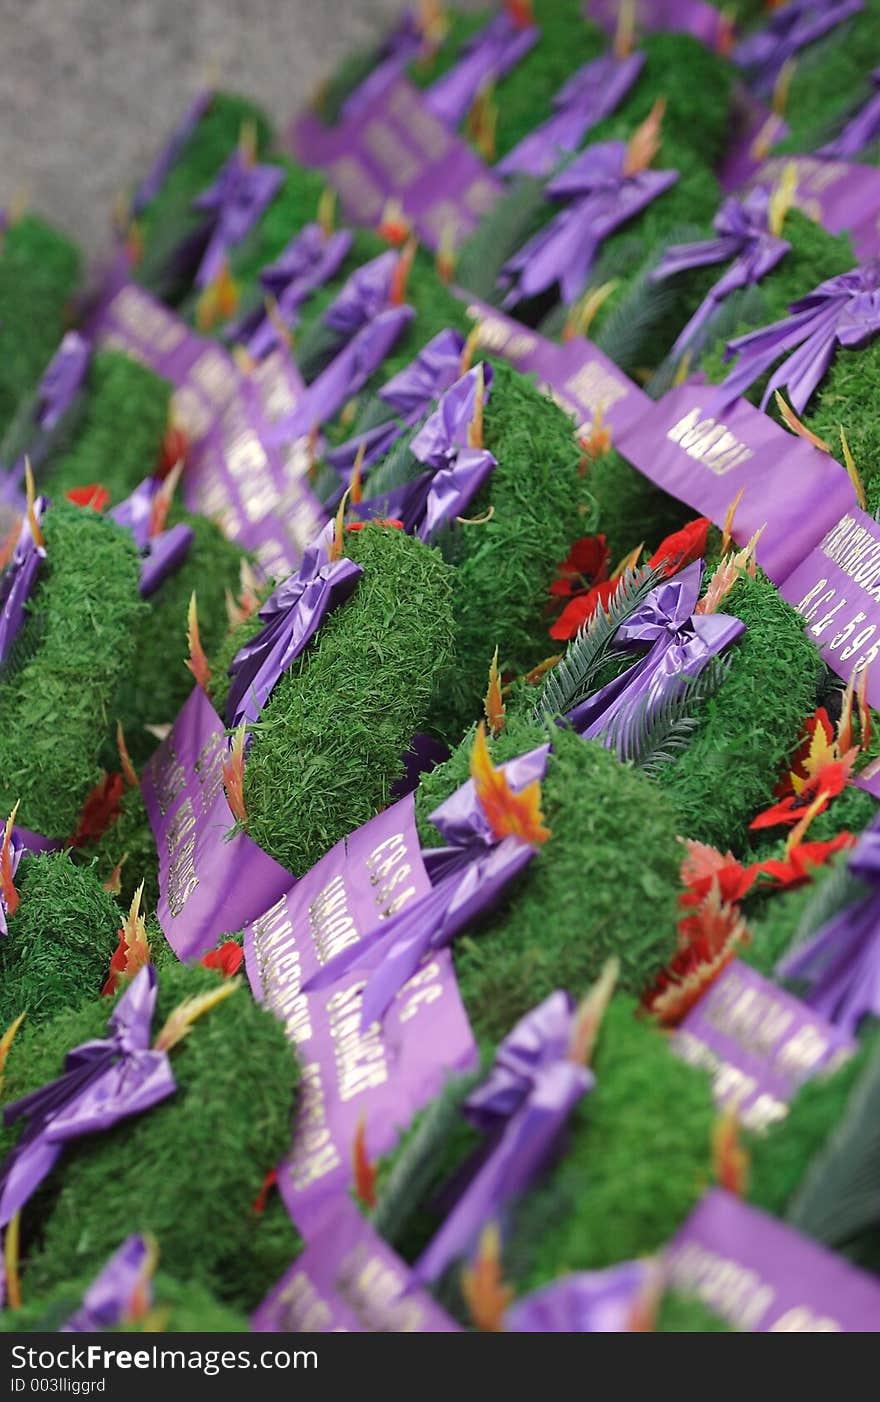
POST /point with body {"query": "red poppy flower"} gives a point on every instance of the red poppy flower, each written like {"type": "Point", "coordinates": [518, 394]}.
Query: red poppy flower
{"type": "Point", "coordinates": [227, 959]}
{"type": "Point", "coordinates": [817, 734]}
{"type": "Point", "coordinates": [801, 861]}
{"type": "Point", "coordinates": [682, 547]}
{"type": "Point", "coordinates": [94, 496]}
{"type": "Point", "coordinates": [100, 809]}
{"type": "Point", "coordinates": [816, 794]}
{"type": "Point", "coordinates": [585, 564]}
{"type": "Point", "coordinates": [581, 609]}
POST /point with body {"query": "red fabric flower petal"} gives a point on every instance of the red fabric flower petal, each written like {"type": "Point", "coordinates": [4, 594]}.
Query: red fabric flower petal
{"type": "Point", "coordinates": [682, 547]}
{"type": "Point", "coordinates": [94, 495]}
{"type": "Point", "coordinates": [581, 609]}
{"type": "Point", "coordinates": [100, 809]}
{"type": "Point", "coordinates": [227, 959]}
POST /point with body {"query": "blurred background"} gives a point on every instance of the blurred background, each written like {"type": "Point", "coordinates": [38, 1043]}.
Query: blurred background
{"type": "Point", "coordinates": [90, 88]}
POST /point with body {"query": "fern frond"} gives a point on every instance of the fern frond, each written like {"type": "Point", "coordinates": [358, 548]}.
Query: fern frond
{"type": "Point", "coordinates": [398, 467]}
{"type": "Point", "coordinates": [742, 309]}
{"type": "Point", "coordinates": [513, 219]}
{"type": "Point", "coordinates": [632, 320]}
{"type": "Point", "coordinates": [655, 734]}
{"type": "Point", "coordinates": [840, 1193]}
{"type": "Point", "coordinates": [572, 679]}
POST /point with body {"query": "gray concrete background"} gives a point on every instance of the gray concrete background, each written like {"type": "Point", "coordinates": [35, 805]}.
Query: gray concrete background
{"type": "Point", "coordinates": [90, 88]}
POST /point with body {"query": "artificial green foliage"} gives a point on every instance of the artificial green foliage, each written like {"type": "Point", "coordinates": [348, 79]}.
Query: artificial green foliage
{"type": "Point", "coordinates": [329, 743]}
{"type": "Point", "coordinates": [629, 508]}
{"type": "Point", "coordinates": [120, 436]}
{"type": "Point", "coordinates": [169, 218]}
{"type": "Point", "coordinates": [159, 682]}
{"type": "Point", "coordinates": [504, 567]}
{"type": "Point", "coordinates": [830, 82]}
{"type": "Point", "coordinates": [39, 268]}
{"type": "Point", "coordinates": [130, 836]}
{"type": "Point", "coordinates": [221, 658]}
{"type": "Point", "coordinates": [186, 1308]}
{"type": "Point", "coordinates": [685, 1314]}
{"type": "Point", "coordinates": [781, 1157]}
{"type": "Point", "coordinates": [56, 704]}
{"type": "Point", "coordinates": [636, 1163]}
{"type": "Point", "coordinates": [605, 883]}
{"type": "Point", "coordinates": [60, 941]}
{"type": "Point", "coordinates": [188, 1170]}
{"type": "Point", "coordinates": [727, 774]}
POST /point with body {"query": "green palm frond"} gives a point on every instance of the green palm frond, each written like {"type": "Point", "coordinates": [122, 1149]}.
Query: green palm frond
{"type": "Point", "coordinates": [512, 220]}
{"type": "Point", "coordinates": [656, 735]}
{"type": "Point", "coordinates": [572, 679]}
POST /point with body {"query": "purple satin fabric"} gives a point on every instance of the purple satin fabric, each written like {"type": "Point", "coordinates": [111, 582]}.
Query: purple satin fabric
{"type": "Point", "coordinates": [603, 198]}
{"type": "Point", "coordinates": [235, 201]}
{"type": "Point", "coordinates": [363, 296]}
{"type": "Point", "coordinates": [842, 312]}
{"type": "Point", "coordinates": [408, 394]}
{"type": "Point", "coordinates": [744, 238]}
{"type": "Point", "coordinates": [589, 1302]}
{"type": "Point", "coordinates": [860, 131]}
{"type": "Point", "coordinates": [153, 182]}
{"type": "Point", "coordinates": [18, 580]}
{"type": "Point", "coordinates": [789, 30]}
{"type": "Point", "coordinates": [468, 878]}
{"type": "Point", "coordinates": [680, 643]}
{"type": "Point", "coordinates": [402, 45]}
{"type": "Point", "coordinates": [109, 1298]}
{"type": "Point", "coordinates": [590, 95]}
{"type": "Point", "coordinates": [310, 260]}
{"type": "Point", "coordinates": [523, 1106]}
{"type": "Point", "coordinates": [291, 617]}
{"type": "Point", "coordinates": [840, 963]}
{"type": "Point", "coordinates": [162, 553]}
{"type": "Point", "coordinates": [103, 1082]}
{"type": "Point", "coordinates": [17, 850]}
{"type": "Point", "coordinates": [486, 57]}
{"type": "Point", "coordinates": [62, 379]}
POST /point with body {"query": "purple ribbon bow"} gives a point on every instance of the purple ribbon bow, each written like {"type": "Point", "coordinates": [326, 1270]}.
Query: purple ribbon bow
{"type": "Point", "coordinates": [603, 197]}
{"type": "Point", "coordinates": [103, 1082]}
{"type": "Point", "coordinates": [680, 644]}
{"type": "Point", "coordinates": [589, 1302]}
{"type": "Point", "coordinates": [860, 130]}
{"type": "Point", "coordinates": [841, 961]}
{"type": "Point", "coordinates": [234, 202]}
{"type": "Point", "coordinates": [363, 295]}
{"type": "Point", "coordinates": [18, 579]}
{"type": "Point", "coordinates": [456, 474]}
{"type": "Point", "coordinates": [485, 58]}
{"type": "Point", "coordinates": [590, 95]}
{"type": "Point", "coordinates": [17, 850]}
{"type": "Point", "coordinates": [523, 1105]}
{"type": "Point", "coordinates": [467, 878]}
{"type": "Point", "coordinates": [109, 1299]}
{"type": "Point", "coordinates": [153, 182]}
{"type": "Point", "coordinates": [789, 30]}
{"type": "Point", "coordinates": [844, 311]}
{"type": "Point", "coordinates": [345, 376]}
{"type": "Point", "coordinates": [407, 394]}
{"type": "Point", "coordinates": [308, 261]}
{"type": "Point", "coordinates": [743, 236]}
{"type": "Point", "coordinates": [401, 45]}
{"type": "Point", "coordinates": [62, 378]}
{"type": "Point", "coordinates": [162, 553]}
{"type": "Point", "coordinates": [291, 617]}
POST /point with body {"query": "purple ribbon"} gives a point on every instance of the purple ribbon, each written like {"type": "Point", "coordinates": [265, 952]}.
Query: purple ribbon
{"type": "Point", "coordinates": [162, 553]}
{"type": "Point", "coordinates": [590, 95]}
{"type": "Point", "coordinates": [153, 182]}
{"type": "Point", "coordinates": [860, 130]}
{"type": "Point", "coordinates": [408, 395]}
{"type": "Point", "coordinates": [680, 643]}
{"type": "Point", "coordinates": [235, 201]}
{"type": "Point", "coordinates": [61, 380]}
{"type": "Point", "coordinates": [589, 1302]}
{"type": "Point", "coordinates": [485, 58]}
{"type": "Point", "coordinates": [603, 197]}
{"type": "Point", "coordinates": [108, 1300]}
{"type": "Point", "coordinates": [467, 879]}
{"type": "Point", "coordinates": [308, 261]}
{"type": "Point", "coordinates": [789, 30]}
{"type": "Point", "coordinates": [403, 44]}
{"type": "Point", "coordinates": [103, 1082]}
{"type": "Point", "coordinates": [523, 1105]}
{"type": "Point", "coordinates": [17, 850]}
{"type": "Point", "coordinates": [291, 617]}
{"type": "Point", "coordinates": [345, 376]}
{"type": "Point", "coordinates": [841, 961]}
{"type": "Point", "coordinates": [745, 238]}
{"type": "Point", "coordinates": [456, 474]}
{"type": "Point", "coordinates": [363, 295]}
{"type": "Point", "coordinates": [844, 311]}
{"type": "Point", "coordinates": [18, 580]}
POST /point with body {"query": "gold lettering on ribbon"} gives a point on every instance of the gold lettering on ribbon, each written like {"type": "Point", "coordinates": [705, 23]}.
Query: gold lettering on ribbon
{"type": "Point", "coordinates": [360, 1054]}
{"type": "Point", "coordinates": [708, 442]}
{"type": "Point", "coordinates": [313, 1154]}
